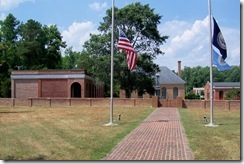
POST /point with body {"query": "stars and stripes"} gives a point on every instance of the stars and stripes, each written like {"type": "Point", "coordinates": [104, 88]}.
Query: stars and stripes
{"type": "Point", "coordinates": [124, 44]}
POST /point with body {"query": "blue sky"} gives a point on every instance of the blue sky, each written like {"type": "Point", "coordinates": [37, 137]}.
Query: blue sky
{"type": "Point", "coordinates": [186, 23]}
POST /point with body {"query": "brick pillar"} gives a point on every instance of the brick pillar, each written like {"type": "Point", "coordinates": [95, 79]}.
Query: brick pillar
{"type": "Point", "coordinates": [122, 93]}
{"type": "Point", "coordinates": [203, 104]}
{"type": "Point", "coordinates": [179, 102]}
{"type": "Point", "coordinates": [227, 105]}
{"type": "Point", "coordinates": [39, 88]}
{"type": "Point", "coordinates": [155, 101]}
{"type": "Point", "coordinates": [12, 89]}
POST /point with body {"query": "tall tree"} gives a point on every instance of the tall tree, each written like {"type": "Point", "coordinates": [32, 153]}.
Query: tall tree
{"type": "Point", "coordinates": [31, 46]}
{"type": "Point", "coordinates": [39, 46]}
{"type": "Point", "coordinates": [53, 45]}
{"type": "Point", "coordinates": [8, 39]}
{"type": "Point", "coordinates": [27, 45]}
{"type": "Point", "coordinates": [139, 22]}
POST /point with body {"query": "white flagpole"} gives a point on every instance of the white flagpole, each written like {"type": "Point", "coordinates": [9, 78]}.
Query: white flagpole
{"type": "Point", "coordinates": [211, 124]}
{"type": "Point", "coordinates": [112, 69]}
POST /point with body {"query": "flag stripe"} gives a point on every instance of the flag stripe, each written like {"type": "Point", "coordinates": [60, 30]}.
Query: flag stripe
{"type": "Point", "coordinates": [124, 44]}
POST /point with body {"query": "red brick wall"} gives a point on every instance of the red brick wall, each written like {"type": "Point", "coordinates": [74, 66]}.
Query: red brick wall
{"type": "Point", "coordinates": [6, 102]}
{"type": "Point", "coordinates": [22, 102]}
{"type": "Point", "coordinates": [168, 103]}
{"type": "Point", "coordinates": [60, 102]}
{"type": "Point", "coordinates": [54, 88]}
{"type": "Point", "coordinates": [40, 101]}
{"type": "Point", "coordinates": [25, 88]}
{"type": "Point", "coordinates": [234, 104]}
{"type": "Point", "coordinates": [80, 102]}
{"type": "Point", "coordinates": [200, 104]}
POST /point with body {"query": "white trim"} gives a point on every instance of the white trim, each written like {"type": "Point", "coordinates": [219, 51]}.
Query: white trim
{"type": "Point", "coordinates": [64, 76]}
{"type": "Point", "coordinates": [225, 87]}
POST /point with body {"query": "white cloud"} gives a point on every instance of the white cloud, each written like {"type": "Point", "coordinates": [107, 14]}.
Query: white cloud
{"type": "Point", "coordinates": [78, 33]}
{"type": "Point", "coordinates": [6, 5]}
{"type": "Point", "coordinates": [98, 6]}
{"type": "Point", "coordinates": [189, 43]}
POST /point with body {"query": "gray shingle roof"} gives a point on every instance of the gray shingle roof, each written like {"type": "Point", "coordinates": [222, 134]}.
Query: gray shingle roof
{"type": "Point", "coordinates": [166, 76]}
{"type": "Point", "coordinates": [226, 84]}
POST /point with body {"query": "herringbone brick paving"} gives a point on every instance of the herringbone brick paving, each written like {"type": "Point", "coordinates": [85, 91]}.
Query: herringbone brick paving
{"type": "Point", "coordinates": [159, 137]}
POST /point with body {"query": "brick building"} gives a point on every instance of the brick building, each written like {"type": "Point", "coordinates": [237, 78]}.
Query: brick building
{"type": "Point", "coordinates": [219, 89]}
{"type": "Point", "coordinates": [168, 85]}
{"type": "Point", "coordinates": [54, 83]}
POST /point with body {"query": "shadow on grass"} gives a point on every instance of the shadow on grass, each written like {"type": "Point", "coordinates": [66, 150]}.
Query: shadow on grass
{"type": "Point", "coordinates": [16, 112]}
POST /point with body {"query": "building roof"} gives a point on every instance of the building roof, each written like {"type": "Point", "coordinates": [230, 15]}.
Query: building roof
{"type": "Point", "coordinates": [49, 74]}
{"type": "Point", "coordinates": [226, 84]}
{"type": "Point", "coordinates": [166, 76]}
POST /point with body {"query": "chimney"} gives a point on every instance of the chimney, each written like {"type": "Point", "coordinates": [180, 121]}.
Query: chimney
{"type": "Point", "coordinates": [179, 68]}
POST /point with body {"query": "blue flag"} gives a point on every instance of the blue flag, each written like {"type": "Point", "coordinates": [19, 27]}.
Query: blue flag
{"type": "Point", "coordinates": [218, 40]}
{"type": "Point", "coordinates": [219, 62]}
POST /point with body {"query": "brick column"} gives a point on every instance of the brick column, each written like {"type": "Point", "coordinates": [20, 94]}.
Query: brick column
{"type": "Point", "coordinates": [39, 88]}
{"type": "Point", "coordinates": [179, 102]}
{"type": "Point", "coordinates": [155, 101]}
{"type": "Point", "coordinates": [12, 89]}
{"type": "Point", "coordinates": [227, 105]}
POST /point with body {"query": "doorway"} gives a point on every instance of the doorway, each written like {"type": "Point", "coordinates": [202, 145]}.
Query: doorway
{"type": "Point", "coordinates": [76, 90]}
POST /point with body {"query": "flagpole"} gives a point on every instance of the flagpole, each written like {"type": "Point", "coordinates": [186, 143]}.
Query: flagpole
{"type": "Point", "coordinates": [112, 69]}
{"type": "Point", "coordinates": [211, 124]}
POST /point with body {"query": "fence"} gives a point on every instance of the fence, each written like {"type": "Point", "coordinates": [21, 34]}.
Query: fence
{"type": "Point", "coordinates": [150, 102]}
{"type": "Point", "coordinates": [73, 102]}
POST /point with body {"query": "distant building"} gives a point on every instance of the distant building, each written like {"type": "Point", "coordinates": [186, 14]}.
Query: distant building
{"type": "Point", "coordinates": [219, 89]}
{"type": "Point", "coordinates": [168, 85]}
{"type": "Point", "coordinates": [53, 83]}
{"type": "Point", "coordinates": [198, 91]}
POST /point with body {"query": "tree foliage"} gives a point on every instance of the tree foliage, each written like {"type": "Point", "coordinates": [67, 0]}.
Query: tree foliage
{"type": "Point", "coordinates": [139, 22]}
{"type": "Point", "coordinates": [27, 45]}
{"type": "Point", "coordinates": [199, 76]}
{"type": "Point", "coordinates": [233, 94]}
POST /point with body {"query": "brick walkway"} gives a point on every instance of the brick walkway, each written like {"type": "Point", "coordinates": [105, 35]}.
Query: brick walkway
{"type": "Point", "coordinates": [159, 137]}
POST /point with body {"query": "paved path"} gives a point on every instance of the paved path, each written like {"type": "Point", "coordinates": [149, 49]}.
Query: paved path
{"type": "Point", "coordinates": [159, 137]}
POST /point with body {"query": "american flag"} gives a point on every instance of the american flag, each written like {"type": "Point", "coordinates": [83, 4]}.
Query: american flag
{"type": "Point", "coordinates": [124, 44]}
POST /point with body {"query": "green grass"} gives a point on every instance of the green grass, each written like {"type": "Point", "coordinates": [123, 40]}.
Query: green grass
{"type": "Point", "coordinates": [212, 143]}
{"type": "Point", "coordinates": [64, 133]}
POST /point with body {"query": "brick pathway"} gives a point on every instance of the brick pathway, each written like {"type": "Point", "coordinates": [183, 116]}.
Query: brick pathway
{"type": "Point", "coordinates": [159, 137]}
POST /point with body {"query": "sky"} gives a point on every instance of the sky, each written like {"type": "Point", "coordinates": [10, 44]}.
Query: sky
{"type": "Point", "coordinates": [184, 21]}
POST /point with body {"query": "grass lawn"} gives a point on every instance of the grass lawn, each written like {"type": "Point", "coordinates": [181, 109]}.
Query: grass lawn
{"type": "Point", "coordinates": [213, 143]}
{"type": "Point", "coordinates": [64, 133]}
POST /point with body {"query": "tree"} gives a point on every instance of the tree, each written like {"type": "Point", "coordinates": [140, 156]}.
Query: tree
{"type": "Point", "coordinates": [233, 94]}
{"type": "Point", "coordinates": [29, 45]}
{"type": "Point", "coordinates": [39, 46]}
{"type": "Point", "coordinates": [8, 39]}
{"type": "Point", "coordinates": [53, 43]}
{"type": "Point", "coordinates": [199, 76]}
{"type": "Point", "coordinates": [139, 22]}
